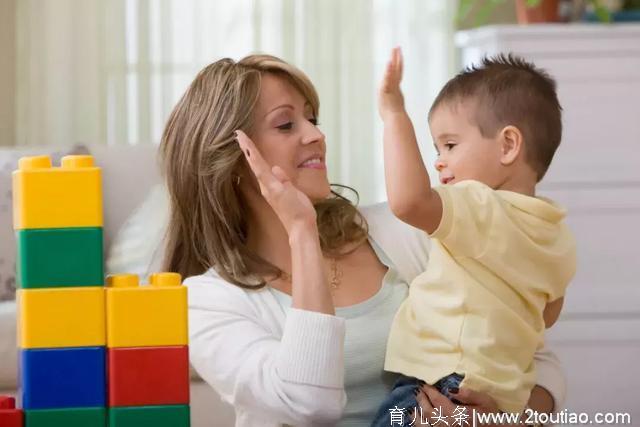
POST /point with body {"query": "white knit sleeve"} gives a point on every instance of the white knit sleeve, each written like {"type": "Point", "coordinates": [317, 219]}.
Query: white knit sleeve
{"type": "Point", "coordinates": [551, 376]}
{"type": "Point", "coordinates": [297, 378]}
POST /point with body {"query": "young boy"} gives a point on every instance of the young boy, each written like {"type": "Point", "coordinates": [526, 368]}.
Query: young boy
{"type": "Point", "coordinates": [501, 257]}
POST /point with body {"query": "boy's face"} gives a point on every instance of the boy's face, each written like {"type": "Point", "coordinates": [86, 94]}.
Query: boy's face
{"type": "Point", "coordinates": [463, 153]}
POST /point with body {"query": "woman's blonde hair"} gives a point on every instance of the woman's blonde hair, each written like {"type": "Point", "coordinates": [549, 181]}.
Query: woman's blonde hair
{"type": "Point", "coordinates": [202, 161]}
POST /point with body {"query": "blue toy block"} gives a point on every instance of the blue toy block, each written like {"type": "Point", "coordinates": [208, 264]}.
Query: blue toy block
{"type": "Point", "coordinates": [63, 377]}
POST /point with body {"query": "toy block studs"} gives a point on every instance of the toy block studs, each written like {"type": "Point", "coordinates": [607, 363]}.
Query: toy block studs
{"type": "Point", "coordinates": [165, 280]}
{"type": "Point", "coordinates": [57, 197]}
{"type": "Point", "coordinates": [61, 317]}
{"type": "Point", "coordinates": [146, 316]}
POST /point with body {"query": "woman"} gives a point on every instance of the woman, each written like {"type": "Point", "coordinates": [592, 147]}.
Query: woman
{"type": "Point", "coordinates": [293, 289]}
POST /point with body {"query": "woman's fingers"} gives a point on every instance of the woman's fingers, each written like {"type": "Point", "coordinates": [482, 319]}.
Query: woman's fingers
{"type": "Point", "coordinates": [438, 399]}
{"type": "Point", "coordinates": [251, 153]}
{"type": "Point", "coordinates": [468, 397]}
{"type": "Point", "coordinates": [280, 174]}
{"type": "Point", "coordinates": [258, 165]}
{"type": "Point", "coordinates": [425, 406]}
{"type": "Point", "coordinates": [476, 399]}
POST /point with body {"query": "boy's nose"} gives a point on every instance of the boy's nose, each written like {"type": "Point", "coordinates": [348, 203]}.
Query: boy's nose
{"type": "Point", "coordinates": [439, 165]}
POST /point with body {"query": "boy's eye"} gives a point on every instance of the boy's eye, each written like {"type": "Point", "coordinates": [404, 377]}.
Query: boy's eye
{"type": "Point", "coordinates": [285, 126]}
{"type": "Point", "coordinates": [449, 146]}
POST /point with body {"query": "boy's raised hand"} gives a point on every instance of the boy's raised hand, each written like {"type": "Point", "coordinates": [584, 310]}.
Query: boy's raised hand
{"type": "Point", "coordinates": [390, 99]}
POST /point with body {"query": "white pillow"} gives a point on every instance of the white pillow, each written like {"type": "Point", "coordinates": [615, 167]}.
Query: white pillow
{"type": "Point", "coordinates": [137, 247]}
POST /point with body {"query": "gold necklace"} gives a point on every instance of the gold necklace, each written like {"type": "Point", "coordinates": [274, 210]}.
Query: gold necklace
{"type": "Point", "coordinates": [336, 275]}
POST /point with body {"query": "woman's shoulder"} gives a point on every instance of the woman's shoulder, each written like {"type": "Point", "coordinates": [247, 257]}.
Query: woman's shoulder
{"type": "Point", "coordinates": [209, 290]}
{"type": "Point", "coordinates": [389, 230]}
{"type": "Point", "coordinates": [406, 246]}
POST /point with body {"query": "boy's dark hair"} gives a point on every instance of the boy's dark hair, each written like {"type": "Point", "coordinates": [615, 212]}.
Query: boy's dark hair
{"type": "Point", "coordinates": [507, 90]}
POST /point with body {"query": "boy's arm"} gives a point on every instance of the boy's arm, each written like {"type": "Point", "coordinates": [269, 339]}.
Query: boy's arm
{"type": "Point", "coordinates": [552, 312]}
{"type": "Point", "coordinates": [409, 191]}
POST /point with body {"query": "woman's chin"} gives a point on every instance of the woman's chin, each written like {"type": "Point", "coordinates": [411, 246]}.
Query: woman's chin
{"type": "Point", "coordinates": [316, 192]}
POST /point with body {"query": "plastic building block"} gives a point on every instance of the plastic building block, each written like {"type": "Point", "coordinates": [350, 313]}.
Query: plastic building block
{"type": "Point", "coordinates": [59, 257]}
{"type": "Point", "coordinates": [57, 197]}
{"type": "Point", "coordinates": [149, 416]}
{"type": "Point", "coordinates": [61, 317]}
{"type": "Point", "coordinates": [146, 316]}
{"type": "Point", "coordinates": [148, 376]}
{"type": "Point", "coordinates": [70, 417]}
{"type": "Point", "coordinates": [9, 415]}
{"type": "Point", "coordinates": [59, 378]}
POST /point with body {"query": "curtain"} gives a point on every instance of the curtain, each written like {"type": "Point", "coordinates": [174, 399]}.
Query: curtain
{"type": "Point", "coordinates": [110, 71]}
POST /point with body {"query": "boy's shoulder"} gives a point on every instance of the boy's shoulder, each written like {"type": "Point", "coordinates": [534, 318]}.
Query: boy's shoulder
{"type": "Point", "coordinates": [477, 195]}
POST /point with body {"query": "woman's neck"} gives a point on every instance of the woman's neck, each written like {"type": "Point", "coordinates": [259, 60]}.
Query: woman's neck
{"type": "Point", "coordinates": [268, 237]}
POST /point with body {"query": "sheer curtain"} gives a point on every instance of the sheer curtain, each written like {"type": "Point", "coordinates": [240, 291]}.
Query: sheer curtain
{"type": "Point", "coordinates": [109, 71]}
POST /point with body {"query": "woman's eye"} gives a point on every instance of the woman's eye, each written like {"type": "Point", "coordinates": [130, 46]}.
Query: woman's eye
{"type": "Point", "coordinates": [285, 126]}
{"type": "Point", "coordinates": [314, 121]}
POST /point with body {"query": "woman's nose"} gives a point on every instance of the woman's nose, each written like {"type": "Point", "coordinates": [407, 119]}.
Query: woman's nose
{"type": "Point", "coordinates": [312, 134]}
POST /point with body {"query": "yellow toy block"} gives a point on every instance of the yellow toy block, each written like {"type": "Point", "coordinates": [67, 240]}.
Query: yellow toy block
{"type": "Point", "coordinates": [61, 317]}
{"type": "Point", "coordinates": [57, 197]}
{"type": "Point", "coordinates": [143, 316]}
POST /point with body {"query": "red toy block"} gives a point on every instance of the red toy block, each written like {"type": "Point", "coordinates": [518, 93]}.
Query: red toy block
{"type": "Point", "coordinates": [143, 376]}
{"type": "Point", "coordinates": [9, 415]}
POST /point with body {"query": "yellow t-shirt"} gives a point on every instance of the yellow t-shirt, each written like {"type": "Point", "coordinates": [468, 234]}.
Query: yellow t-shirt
{"type": "Point", "coordinates": [497, 259]}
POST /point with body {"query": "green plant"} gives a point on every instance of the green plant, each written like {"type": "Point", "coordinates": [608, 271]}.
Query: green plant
{"type": "Point", "coordinates": [487, 6]}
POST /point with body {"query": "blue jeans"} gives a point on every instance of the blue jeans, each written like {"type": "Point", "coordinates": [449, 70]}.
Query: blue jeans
{"type": "Point", "coordinates": [402, 399]}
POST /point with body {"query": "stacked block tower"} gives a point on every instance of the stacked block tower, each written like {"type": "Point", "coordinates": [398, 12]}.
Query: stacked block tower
{"type": "Point", "coordinates": [61, 300]}
{"type": "Point", "coordinates": [67, 317]}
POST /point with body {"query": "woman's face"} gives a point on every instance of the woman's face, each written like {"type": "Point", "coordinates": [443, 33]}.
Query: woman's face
{"type": "Point", "coordinates": [286, 134]}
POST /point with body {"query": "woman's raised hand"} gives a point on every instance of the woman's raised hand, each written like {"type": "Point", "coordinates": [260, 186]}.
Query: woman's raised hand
{"type": "Point", "coordinates": [291, 205]}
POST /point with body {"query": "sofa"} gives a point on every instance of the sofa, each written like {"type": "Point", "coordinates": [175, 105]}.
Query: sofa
{"type": "Point", "coordinates": [130, 179]}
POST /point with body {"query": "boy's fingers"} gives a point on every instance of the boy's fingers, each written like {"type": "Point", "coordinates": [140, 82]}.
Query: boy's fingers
{"type": "Point", "coordinates": [388, 78]}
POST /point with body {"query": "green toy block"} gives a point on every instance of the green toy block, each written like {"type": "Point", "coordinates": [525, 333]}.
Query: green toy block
{"type": "Point", "coordinates": [59, 257]}
{"type": "Point", "coordinates": [149, 416]}
{"type": "Point", "coordinates": [68, 417]}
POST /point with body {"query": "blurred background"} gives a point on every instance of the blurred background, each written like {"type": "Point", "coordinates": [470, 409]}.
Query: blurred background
{"type": "Point", "coordinates": [101, 76]}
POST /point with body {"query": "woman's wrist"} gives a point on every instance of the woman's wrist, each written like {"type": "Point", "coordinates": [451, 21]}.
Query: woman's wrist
{"type": "Point", "coordinates": [303, 232]}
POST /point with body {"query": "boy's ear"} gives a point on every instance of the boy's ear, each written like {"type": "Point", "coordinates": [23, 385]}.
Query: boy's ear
{"type": "Point", "coordinates": [512, 144]}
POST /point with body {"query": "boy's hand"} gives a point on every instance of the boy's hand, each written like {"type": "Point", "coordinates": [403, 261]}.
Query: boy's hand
{"type": "Point", "coordinates": [390, 99]}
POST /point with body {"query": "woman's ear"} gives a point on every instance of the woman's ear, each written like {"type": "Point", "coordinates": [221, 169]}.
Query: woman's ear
{"type": "Point", "coordinates": [512, 144]}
